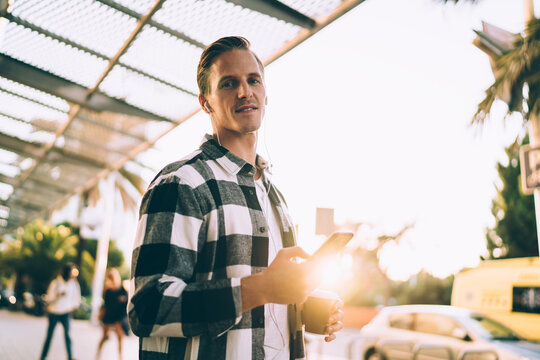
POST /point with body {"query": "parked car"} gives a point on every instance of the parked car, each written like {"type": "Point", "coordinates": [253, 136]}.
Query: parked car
{"type": "Point", "coordinates": [442, 332]}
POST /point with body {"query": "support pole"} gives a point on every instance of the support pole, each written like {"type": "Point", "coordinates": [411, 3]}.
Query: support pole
{"type": "Point", "coordinates": [103, 246]}
{"type": "Point", "coordinates": [534, 125]}
{"type": "Point", "coordinates": [534, 138]}
{"type": "Point", "coordinates": [528, 10]}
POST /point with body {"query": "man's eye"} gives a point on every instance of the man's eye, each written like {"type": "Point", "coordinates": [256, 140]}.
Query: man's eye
{"type": "Point", "coordinates": [254, 81]}
{"type": "Point", "coordinates": [227, 84]}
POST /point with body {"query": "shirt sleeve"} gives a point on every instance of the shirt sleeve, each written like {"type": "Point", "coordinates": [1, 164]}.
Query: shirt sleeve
{"type": "Point", "coordinates": [165, 299]}
{"type": "Point", "coordinates": [76, 288]}
{"type": "Point", "coordinates": [50, 297]}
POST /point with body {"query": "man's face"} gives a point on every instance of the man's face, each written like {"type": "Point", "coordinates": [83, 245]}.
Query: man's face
{"type": "Point", "coordinates": [237, 95]}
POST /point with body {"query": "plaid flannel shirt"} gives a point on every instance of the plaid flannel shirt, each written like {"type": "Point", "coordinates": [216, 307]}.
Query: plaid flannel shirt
{"type": "Point", "coordinates": [201, 229]}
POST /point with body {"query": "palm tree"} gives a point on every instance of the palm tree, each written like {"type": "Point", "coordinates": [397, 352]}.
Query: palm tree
{"type": "Point", "coordinates": [36, 255]}
{"type": "Point", "coordinates": [517, 74]}
{"type": "Point", "coordinates": [123, 179]}
{"type": "Point", "coordinates": [515, 60]}
{"type": "Point", "coordinates": [116, 182]}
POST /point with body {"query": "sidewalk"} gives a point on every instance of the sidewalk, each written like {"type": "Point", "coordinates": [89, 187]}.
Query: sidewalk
{"type": "Point", "coordinates": [22, 336]}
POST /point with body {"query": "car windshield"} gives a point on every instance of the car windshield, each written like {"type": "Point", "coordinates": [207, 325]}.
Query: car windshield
{"type": "Point", "coordinates": [489, 329]}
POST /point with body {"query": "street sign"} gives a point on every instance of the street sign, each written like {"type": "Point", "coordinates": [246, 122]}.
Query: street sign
{"type": "Point", "coordinates": [530, 168]}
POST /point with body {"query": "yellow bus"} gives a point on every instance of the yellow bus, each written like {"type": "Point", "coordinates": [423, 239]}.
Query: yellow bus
{"type": "Point", "coordinates": [507, 289]}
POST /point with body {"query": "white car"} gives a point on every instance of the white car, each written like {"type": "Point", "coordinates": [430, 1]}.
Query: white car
{"type": "Point", "coordinates": [441, 332]}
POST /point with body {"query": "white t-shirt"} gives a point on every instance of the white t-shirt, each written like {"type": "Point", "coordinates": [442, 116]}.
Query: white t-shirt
{"type": "Point", "coordinates": [63, 296]}
{"type": "Point", "coordinates": [276, 327]}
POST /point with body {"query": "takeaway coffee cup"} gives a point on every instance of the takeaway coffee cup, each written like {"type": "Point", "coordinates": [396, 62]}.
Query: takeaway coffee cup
{"type": "Point", "coordinates": [317, 310]}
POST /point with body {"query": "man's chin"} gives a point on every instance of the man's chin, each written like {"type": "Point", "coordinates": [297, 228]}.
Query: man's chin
{"type": "Point", "coordinates": [250, 127]}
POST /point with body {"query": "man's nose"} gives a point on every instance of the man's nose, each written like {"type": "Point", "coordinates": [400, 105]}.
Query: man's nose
{"type": "Point", "coordinates": [244, 90]}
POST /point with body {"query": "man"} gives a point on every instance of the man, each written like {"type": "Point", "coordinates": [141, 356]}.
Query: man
{"type": "Point", "coordinates": [209, 226]}
{"type": "Point", "coordinates": [63, 297]}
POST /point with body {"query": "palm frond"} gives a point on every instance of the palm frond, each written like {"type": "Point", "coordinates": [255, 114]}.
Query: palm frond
{"type": "Point", "coordinates": [128, 202]}
{"type": "Point", "coordinates": [484, 107]}
{"type": "Point", "coordinates": [92, 196]}
{"type": "Point", "coordinates": [134, 179]}
{"type": "Point", "coordinates": [514, 69]}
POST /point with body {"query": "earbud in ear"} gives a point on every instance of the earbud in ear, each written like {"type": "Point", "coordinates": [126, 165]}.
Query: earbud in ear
{"type": "Point", "coordinates": [207, 107]}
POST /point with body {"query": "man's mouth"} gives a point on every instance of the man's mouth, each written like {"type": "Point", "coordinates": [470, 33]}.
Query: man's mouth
{"type": "Point", "coordinates": [246, 108]}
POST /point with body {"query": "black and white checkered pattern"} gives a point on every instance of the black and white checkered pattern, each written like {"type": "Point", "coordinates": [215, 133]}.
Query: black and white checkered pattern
{"type": "Point", "coordinates": [201, 229]}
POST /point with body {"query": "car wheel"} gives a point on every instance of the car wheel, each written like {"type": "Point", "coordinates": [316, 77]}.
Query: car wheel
{"type": "Point", "coordinates": [372, 354]}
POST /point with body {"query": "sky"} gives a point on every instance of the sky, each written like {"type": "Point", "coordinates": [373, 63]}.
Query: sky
{"type": "Point", "coordinates": [371, 116]}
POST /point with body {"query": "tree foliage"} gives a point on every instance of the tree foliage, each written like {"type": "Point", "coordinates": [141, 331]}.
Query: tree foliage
{"type": "Point", "coordinates": [39, 251]}
{"type": "Point", "coordinates": [517, 77]}
{"type": "Point", "coordinates": [423, 288]}
{"type": "Point", "coordinates": [372, 287]}
{"type": "Point", "coordinates": [514, 234]}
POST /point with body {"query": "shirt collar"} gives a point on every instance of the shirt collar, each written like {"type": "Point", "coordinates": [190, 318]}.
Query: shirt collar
{"type": "Point", "coordinates": [229, 161]}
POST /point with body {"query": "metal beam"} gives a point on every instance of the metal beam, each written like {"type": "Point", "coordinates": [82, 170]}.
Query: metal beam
{"type": "Point", "coordinates": [153, 23]}
{"type": "Point", "coordinates": [71, 136]}
{"type": "Point", "coordinates": [18, 215]}
{"type": "Point", "coordinates": [24, 204]}
{"type": "Point", "coordinates": [77, 160]}
{"type": "Point", "coordinates": [277, 10]}
{"type": "Point", "coordinates": [75, 45]}
{"type": "Point", "coordinates": [34, 77]}
{"type": "Point", "coordinates": [19, 146]}
{"type": "Point", "coordinates": [341, 9]}
{"type": "Point", "coordinates": [87, 119]}
{"type": "Point", "coordinates": [2, 89]}
{"type": "Point", "coordinates": [8, 180]}
{"type": "Point", "coordinates": [28, 149]}
{"type": "Point", "coordinates": [53, 191]}
{"type": "Point", "coordinates": [42, 200]}
{"type": "Point", "coordinates": [79, 116]}
{"type": "Point", "coordinates": [51, 184]}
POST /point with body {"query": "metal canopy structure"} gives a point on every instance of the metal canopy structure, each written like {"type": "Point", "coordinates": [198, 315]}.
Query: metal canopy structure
{"type": "Point", "coordinates": [86, 85]}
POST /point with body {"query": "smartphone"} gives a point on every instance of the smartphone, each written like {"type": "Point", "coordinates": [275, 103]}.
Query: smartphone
{"type": "Point", "coordinates": [333, 245]}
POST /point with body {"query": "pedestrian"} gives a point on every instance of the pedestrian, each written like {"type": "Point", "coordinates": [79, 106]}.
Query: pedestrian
{"type": "Point", "coordinates": [113, 312]}
{"type": "Point", "coordinates": [63, 297]}
{"type": "Point", "coordinates": [215, 271]}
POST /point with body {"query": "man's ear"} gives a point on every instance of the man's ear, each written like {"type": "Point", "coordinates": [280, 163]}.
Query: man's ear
{"type": "Point", "coordinates": [266, 100]}
{"type": "Point", "coordinates": [204, 104]}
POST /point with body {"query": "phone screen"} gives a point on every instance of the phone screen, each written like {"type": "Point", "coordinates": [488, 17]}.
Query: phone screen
{"type": "Point", "coordinates": [333, 245]}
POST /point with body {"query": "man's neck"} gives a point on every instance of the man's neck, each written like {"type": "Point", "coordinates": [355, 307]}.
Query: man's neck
{"type": "Point", "coordinates": [244, 145]}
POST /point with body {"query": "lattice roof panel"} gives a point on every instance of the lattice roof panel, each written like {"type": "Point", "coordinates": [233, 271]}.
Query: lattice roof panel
{"type": "Point", "coordinates": [87, 86]}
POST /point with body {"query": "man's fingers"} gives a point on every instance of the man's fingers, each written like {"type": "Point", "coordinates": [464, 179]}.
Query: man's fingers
{"type": "Point", "coordinates": [332, 329]}
{"type": "Point", "coordinates": [330, 338]}
{"type": "Point", "coordinates": [337, 316]}
{"type": "Point", "coordinates": [338, 306]}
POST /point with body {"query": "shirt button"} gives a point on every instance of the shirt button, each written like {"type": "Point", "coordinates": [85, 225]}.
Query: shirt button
{"type": "Point", "coordinates": [262, 229]}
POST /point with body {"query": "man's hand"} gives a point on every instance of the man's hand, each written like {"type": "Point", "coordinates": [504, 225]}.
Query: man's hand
{"type": "Point", "coordinates": [285, 281]}
{"type": "Point", "coordinates": [289, 279]}
{"type": "Point", "coordinates": [334, 322]}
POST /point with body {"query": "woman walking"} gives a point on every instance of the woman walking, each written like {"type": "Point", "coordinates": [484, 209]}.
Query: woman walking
{"type": "Point", "coordinates": [113, 312]}
{"type": "Point", "coordinates": [63, 296]}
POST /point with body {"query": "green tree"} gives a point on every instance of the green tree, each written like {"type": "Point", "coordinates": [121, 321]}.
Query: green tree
{"type": "Point", "coordinates": [39, 250]}
{"type": "Point", "coordinates": [37, 254]}
{"type": "Point", "coordinates": [514, 233]}
{"type": "Point", "coordinates": [87, 258]}
{"type": "Point", "coordinates": [423, 288]}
